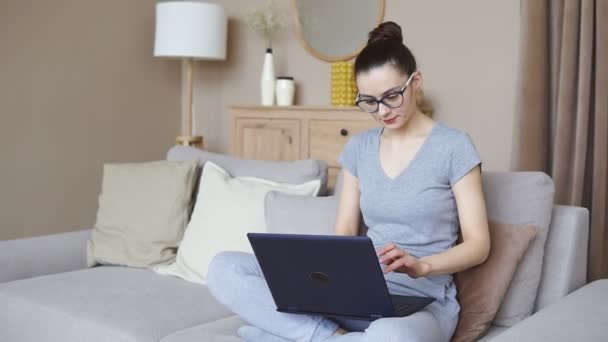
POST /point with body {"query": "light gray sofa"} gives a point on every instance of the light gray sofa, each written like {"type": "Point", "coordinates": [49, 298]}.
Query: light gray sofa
{"type": "Point", "coordinates": [48, 294]}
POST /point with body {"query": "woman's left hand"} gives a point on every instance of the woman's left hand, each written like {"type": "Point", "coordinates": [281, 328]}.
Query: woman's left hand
{"type": "Point", "coordinates": [398, 260]}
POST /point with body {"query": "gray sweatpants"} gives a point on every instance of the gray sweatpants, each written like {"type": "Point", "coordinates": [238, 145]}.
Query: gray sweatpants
{"type": "Point", "coordinates": [235, 279]}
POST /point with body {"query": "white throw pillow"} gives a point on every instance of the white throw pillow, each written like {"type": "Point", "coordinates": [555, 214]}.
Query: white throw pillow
{"type": "Point", "coordinates": [226, 210]}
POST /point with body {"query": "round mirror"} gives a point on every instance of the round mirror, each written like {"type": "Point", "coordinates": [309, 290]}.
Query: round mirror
{"type": "Point", "coordinates": [335, 30]}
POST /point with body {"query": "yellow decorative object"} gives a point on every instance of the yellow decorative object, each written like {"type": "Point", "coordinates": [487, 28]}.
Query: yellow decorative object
{"type": "Point", "coordinates": [343, 87]}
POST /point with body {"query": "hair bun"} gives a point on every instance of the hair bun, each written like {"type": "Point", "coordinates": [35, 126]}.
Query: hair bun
{"type": "Point", "coordinates": [388, 31]}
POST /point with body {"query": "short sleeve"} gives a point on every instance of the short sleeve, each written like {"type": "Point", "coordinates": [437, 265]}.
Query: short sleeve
{"type": "Point", "coordinates": [348, 157]}
{"type": "Point", "coordinates": [464, 157]}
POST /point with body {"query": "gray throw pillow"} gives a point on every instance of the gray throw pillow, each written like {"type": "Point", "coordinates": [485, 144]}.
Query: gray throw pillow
{"type": "Point", "coordinates": [296, 172]}
{"type": "Point", "coordinates": [143, 212]}
{"type": "Point", "coordinates": [293, 214]}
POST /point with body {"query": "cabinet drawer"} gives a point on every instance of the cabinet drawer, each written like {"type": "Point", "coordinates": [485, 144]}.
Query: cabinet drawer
{"type": "Point", "coordinates": [328, 137]}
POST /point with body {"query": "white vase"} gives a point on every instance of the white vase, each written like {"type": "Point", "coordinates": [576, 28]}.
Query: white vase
{"type": "Point", "coordinates": [285, 90]}
{"type": "Point", "coordinates": [267, 82]}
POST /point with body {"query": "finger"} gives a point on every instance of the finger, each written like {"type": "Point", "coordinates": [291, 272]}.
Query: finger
{"type": "Point", "coordinates": [393, 266]}
{"type": "Point", "coordinates": [389, 261]}
{"type": "Point", "coordinates": [393, 254]}
{"type": "Point", "coordinates": [395, 248]}
{"type": "Point", "coordinates": [386, 248]}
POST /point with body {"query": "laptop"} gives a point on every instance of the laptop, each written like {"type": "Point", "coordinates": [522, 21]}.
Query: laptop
{"type": "Point", "coordinates": [334, 276]}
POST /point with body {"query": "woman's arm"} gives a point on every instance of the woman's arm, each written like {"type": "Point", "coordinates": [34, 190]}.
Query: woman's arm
{"type": "Point", "coordinates": [347, 221]}
{"type": "Point", "coordinates": [475, 245]}
{"type": "Point", "coordinates": [474, 248]}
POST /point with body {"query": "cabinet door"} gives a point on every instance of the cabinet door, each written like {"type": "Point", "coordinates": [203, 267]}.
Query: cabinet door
{"type": "Point", "coordinates": [267, 139]}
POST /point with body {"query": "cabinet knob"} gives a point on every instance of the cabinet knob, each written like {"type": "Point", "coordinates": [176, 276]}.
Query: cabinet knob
{"type": "Point", "coordinates": [343, 132]}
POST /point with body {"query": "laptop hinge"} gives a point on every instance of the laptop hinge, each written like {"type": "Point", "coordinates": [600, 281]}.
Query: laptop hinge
{"type": "Point", "coordinates": [375, 317]}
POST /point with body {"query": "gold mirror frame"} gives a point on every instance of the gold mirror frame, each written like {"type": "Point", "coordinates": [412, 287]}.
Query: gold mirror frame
{"type": "Point", "coordinates": [297, 28]}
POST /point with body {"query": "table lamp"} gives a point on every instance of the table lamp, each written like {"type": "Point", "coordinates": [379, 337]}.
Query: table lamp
{"type": "Point", "coordinates": [190, 30]}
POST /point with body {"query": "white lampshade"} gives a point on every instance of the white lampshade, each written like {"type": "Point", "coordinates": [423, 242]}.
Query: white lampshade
{"type": "Point", "coordinates": [190, 29]}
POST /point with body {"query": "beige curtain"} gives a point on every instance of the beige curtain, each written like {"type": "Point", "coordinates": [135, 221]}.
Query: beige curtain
{"type": "Point", "coordinates": [562, 110]}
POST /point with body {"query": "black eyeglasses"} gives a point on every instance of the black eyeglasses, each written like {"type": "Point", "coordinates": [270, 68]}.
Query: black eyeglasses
{"type": "Point", "coordinates": [391, 100]}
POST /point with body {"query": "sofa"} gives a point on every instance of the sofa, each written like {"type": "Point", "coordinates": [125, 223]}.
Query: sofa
{"type": "Point", "coordinates": [47, 292]}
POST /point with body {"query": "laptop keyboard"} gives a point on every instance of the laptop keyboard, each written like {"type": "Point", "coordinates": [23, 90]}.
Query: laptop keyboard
{"type": "Point", "coordinates": [399, 304]}
{"type": "Point", "coordinates": [400, 307]}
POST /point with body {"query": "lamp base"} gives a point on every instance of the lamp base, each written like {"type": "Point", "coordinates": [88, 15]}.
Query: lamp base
{"type": "Point", "coordinates": [189, 140]}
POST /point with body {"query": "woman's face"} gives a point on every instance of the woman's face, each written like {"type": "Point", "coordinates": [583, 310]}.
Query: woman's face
{"type": "Point", "coordinates": [386, 82]}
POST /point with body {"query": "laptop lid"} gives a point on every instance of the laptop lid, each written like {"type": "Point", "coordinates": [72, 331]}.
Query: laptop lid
{"type": "Point", "coordinates": [326, 274]}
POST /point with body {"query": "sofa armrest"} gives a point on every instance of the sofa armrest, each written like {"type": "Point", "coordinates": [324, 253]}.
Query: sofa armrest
{"type": "Point", "coordinates": [30, 257]}
{"type": "Point", "coordinates": [565, 257]}
{"type": "Point", "coordinates": [580, 316]}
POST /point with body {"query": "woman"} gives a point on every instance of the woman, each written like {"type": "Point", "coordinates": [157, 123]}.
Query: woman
{"type": "Point", "coordinates": [417, 184]}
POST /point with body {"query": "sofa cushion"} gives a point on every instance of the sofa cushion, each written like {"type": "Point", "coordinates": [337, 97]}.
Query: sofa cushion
{"type": "Point", "coordinates": [226, 210]}
{"type": "Point", "coordinates": [225, 330]}
{"type": "Point", "coordinates": [103, 304]}
{"type": "Point", "coordinates": [295, 172]}
{"type": "Point", "coordinates": [143, 211]}
{"type": "Point", "coordinates": [294, 214]}
{"type": "Point", "coordinates": [580, 316]}
{"type": "Point", "coordinates": [482, 288]}
{"type": "Point", "coordinates": [521, 198]}
{"type": "Point", "coordinates": [492, 333]}
{"type": "Point", "coordinates": [222, 330]}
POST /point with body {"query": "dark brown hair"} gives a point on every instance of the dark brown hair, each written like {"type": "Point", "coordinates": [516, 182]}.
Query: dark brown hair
{"type": "Point", "coordinates": [385, 45]}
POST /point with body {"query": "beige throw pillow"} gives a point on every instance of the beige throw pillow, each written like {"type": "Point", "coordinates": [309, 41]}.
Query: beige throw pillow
{"type": "Point", "coordinates": [226, 210]}
{"type": "Point", "coordinates": [143, 212]}
{"type": "Point", "coordinates": [482, 288]}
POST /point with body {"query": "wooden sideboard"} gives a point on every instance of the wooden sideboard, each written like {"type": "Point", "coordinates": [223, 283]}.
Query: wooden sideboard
{"type": "Point", "coordinates": [296, 132]}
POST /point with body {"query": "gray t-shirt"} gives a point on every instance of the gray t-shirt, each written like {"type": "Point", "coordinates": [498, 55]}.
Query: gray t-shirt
{"type": "Point", "coordinates": [416, 210]}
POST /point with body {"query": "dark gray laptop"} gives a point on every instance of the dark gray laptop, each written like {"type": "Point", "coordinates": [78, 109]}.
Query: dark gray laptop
{"type": "Point", "coordinates": [329, 275]}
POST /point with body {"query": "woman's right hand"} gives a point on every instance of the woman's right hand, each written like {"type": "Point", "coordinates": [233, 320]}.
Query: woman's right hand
{"type": "Point", "coordinates": [398, 260]}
